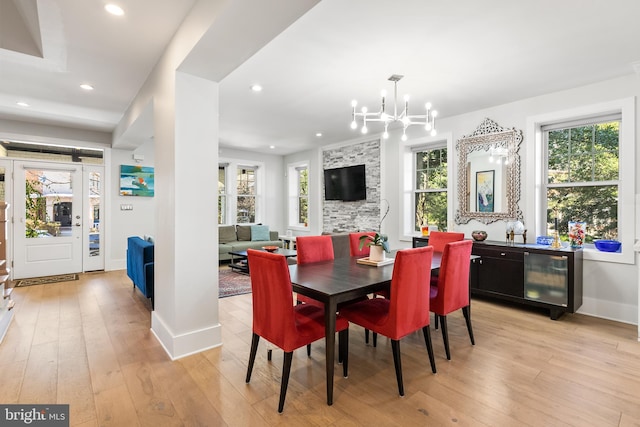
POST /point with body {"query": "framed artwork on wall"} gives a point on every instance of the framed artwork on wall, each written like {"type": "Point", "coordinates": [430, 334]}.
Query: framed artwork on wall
{"type": "Point", "coordinates": [136, 181]}
{"type": "Point", "coordinates": [484, 189]}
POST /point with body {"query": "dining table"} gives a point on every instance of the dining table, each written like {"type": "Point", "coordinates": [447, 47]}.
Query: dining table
{"type": "Point", "coordinates": [337, 281]}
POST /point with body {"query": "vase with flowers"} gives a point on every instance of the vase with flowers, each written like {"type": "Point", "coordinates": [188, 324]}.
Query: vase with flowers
{"type": "Point", "coordinates": [577, 232]}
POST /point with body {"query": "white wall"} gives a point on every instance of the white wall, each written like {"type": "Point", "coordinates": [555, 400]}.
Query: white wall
{"type": "Point", "coordinates": [610, 290]}
{"type": "Point", "coordinates": [141, 220]}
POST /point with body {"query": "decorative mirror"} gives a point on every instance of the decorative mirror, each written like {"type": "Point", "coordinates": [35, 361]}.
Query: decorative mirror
{"type": "Point", "coordinates": [489, 174]}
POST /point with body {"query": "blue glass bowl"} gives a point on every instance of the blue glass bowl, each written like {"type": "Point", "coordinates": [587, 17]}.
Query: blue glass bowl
{"type": "Point", "coordinates": [608, 245]}
{"type": "Point", "coordinates": [544, 240]}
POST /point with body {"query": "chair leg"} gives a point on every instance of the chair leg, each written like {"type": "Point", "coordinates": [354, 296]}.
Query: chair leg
{"type": "Point", "coordinates": [467, 317]}
{"type": "Point", "coordinates": [435, 323]}
{"type": "Point", "coordinates": [445, 336]}
{"type": "Point", "coordinates": [366, 336]}
{"type": "Point", "coordinates": [343, 351]}
{"type": "Point", "coordinates": [426, 331]}
{"type": "Point", "coordinates": [252, 355]}
{"type": "Point", "coordinates": [395, 347]}
{"type": "Point", "coordinates": [269, 352]}
{"type": "Point", "coordinates": [375, 339]}
{"type": "Point", "coordinates": [308, 350]}
{"type": "Point", "coordinates": [286, 370]}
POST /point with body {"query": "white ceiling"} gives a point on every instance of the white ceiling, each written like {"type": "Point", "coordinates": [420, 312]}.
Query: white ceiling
{"type": "Point", "coordinates": [461, 55]}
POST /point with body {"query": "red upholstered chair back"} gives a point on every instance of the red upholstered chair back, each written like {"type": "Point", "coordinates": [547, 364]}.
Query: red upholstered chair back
{"type": "Point", "coordinates": [314, 248]}
{"type": "Point", "coordinates": [409, 303]}
{"type": "Point", "coordinates": [438, 239]}
{"type": "Point", "coordinates": [354, 243]}
{"type": "Point", "coordinates": [453, 281]}
{"type": "Point", "coordinates": [273, 313]}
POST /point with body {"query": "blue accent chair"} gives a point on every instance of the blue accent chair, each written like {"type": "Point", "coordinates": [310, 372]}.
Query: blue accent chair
{"type": "Point", "coordinates": [140, 265]}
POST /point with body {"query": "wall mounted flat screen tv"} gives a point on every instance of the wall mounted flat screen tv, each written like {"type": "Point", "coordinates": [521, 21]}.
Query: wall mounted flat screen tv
{"type": "Point", "coordinates": [346, 184]}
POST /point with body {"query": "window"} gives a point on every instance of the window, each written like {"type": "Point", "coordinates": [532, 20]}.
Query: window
{"type": "Point", "coordinates": [578, 166]}
{"type": "Point", "coordinates": [246, 195]}
{"type": "Point", "coordinates": [298, 195]}
{"type": "Point", "coordinates": [430, 189]}
{"type": "Point", "coordinates": [222, 194]}
{"type": "Point", "coordinates": [582, 176]}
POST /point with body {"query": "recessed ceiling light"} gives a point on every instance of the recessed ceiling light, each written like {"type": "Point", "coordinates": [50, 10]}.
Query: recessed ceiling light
{"type": "Point", "coordinates": [86, 86]}
{"type": "Point", "coordinates": [319, 134]}
{"type": "Point", "coordinates": [272, 146]}
{"type": "Point", "coordinates": [114, 9]}
{"type": "Point", "coordinates": [256, 88]}
{"type": "Point", "coordinates": [22, 104]}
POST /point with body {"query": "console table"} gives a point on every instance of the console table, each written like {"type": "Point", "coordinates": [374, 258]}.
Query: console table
{"type": "Point", "coordinates": [528, 274]}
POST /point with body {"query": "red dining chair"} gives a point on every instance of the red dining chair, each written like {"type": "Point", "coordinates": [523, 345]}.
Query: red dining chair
{"type": "Point", "coordinates": [354, 250]}
{"type": "Point", "coordinates": [277, 320]}
{"type": "Point", "coordinates": [354, 243]}
{"type": "Point", "coordinates": [452, 289]}
{"type": "Point", "coordinates": [313, 249]}
{"type": "Point", "coordinates": [406, 311]}
{"type": "Point", "coordinates": [438, 239]}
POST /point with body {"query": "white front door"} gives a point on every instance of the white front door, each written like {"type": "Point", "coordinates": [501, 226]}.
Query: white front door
{"type": "Point", "coordinates": [48, 220]}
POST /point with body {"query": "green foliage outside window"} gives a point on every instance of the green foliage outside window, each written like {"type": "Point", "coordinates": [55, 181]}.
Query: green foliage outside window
{"type": "Point", "coordinates": [431, 189]}
{"type": "Point", "coordinates": [583, 169]}
{"type": "Point", "coordinates": [303, 196]}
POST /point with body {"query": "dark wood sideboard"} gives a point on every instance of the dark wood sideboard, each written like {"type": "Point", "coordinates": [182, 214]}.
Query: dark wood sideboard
{"type": "Point", "coordinates": [527, 274]}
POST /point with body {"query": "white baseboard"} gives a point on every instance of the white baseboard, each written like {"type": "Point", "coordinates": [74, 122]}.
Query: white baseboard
{"type": "Point", "coordinates": [178, 346]}
{"type": "Point", "coordinates": [611, 310]}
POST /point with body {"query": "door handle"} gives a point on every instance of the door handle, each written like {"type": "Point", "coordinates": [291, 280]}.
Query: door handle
{"type": "Point", "coordinates": [78, 224]}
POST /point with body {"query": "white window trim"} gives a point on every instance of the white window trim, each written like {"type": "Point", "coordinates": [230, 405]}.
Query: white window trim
{"type": "Point", "coordinates": [232, 188]}
{"type": "Point", "coordinates": [292, 194]}
{"type": "Point", "coordinates": [407, 181]}
{"type": "Point", "coordinates": [626, 189]}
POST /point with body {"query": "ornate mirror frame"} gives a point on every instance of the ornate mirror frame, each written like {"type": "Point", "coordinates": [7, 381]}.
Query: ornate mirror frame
{"type": "Point", "coordinates": [489, 136]}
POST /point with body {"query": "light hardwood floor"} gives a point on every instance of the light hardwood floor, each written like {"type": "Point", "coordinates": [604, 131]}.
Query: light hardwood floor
{"type": "Point", "coordinates": [87, 343]}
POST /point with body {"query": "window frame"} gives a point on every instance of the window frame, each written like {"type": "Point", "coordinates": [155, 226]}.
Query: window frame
{"type": "Point", "coordinates": [626, 203]}
{"type": "Point", "coordinates": [294, 196]}
{"type": "Point", "coordinates": [408, 184]}
{"type": "Point", "coordinates": [224, 195]}
{"type": "Point", "coordinates": [232, 166]}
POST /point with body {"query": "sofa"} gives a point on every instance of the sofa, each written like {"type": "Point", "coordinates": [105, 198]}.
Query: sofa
{"type": "Point", "coordinates": [232, 238]}
{"type": "Point", "coordinates": [140, 261]}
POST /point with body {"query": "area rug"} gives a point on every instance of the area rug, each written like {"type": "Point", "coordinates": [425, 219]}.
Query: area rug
{"type": "Point", "coordinates": [46, 280]}
{"type": "Point", "coordinates": [233, 283]}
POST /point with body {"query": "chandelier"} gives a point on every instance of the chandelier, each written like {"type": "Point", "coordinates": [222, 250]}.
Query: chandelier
{"type": "Point", "coordinates": [428, 120]}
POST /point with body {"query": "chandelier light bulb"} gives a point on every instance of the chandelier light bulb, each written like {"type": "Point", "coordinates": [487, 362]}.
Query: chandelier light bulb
{"type": "Point", "coordinates": [406, 98]}
{"type": "Point", "coordinates": [383, 93]}
{"type": "Point", "coordinates": [385, 117]}
{"type": "Point", "coordinates": [354, 103]}
{"type": "Point", "coordinates": [434, 132]}
{"type": "Point", "coordinates": [434, 113]}
{"type": "Point", "coordinates": [385, 135]}
{"type": "Point", "coordinates": [364, 129]}
{"type": "Point", "coordinates": [427, 126]}
{"type": "Point", "coordinates": [404, 137]}
{"type": "Point", "coordinates": [405, 121]}
{"type": "Point", "coordinates": [427, 106]}
{"type": "Point", "coordinates": [354, 124]}
{"type": "Point", "coordinates": [364, 110]}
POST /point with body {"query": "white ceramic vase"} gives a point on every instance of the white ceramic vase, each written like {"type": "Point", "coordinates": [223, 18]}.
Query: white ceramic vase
{"type": "Point", "coordinates": [376, 253]}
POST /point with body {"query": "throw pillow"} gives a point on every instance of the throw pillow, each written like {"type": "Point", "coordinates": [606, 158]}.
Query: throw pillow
{"type": "Point", "coordinates": [226, 233]}
{"type": "Point", "coordinates": [259, 233]}
{"type": "Point", "coordinates": [244, 233]}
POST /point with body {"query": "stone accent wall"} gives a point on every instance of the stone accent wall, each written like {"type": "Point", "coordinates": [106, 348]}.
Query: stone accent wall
{"type": "Point", "coordinates": [339, 216]}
